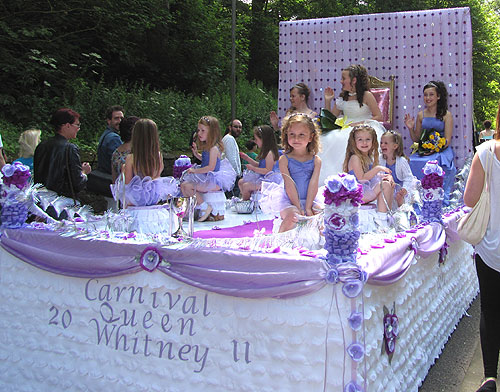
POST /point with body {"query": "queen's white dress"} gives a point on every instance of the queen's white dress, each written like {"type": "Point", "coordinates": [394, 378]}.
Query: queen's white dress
{"type": "Point", "coordinates": [334, 143]}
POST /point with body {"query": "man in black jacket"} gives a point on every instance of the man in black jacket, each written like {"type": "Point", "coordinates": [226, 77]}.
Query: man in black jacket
{"type": "Point", "coordinates": [57, 161]}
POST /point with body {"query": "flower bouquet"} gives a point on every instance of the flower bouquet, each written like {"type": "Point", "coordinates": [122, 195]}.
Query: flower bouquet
{"type": "Point", "coordinates": [343, 196]}
{"type": "Point", "coordinates": [430, 142]}
{"type": "Point", "coordinates": [13, 196]}
{"type": "Point", "coordinates": [432, 191]}
{"type": "Point", "coordinates": [180, 165]}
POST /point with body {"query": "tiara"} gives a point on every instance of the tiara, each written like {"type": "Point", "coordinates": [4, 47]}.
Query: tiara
{"type": "Point", "coordinates": [205, 118]}
{"type": "Point", "coordinates": [432, 84]}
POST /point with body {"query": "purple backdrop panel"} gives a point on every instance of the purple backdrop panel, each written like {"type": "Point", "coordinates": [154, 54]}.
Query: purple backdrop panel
{"type": "Point", "coordinates": [416, 47]}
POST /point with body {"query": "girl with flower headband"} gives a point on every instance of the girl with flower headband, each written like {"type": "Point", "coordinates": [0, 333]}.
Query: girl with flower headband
{"type": "Point", "coordinates": [362, 160]}
{"type": "Point", "coordinates": [432, 130]}
{"type": "Point", "coordinates": [140, 187]}
{"type": "Point", "coordinates": [266, 168]}
{"type": "Point", "coordinates": [394, 158]}
{"type": "Point", "coordinates": [358, 105]}
{"type": "Point", "coordinates": [300, 167]}
{"type": "Point", "coordinates": [213, 174]}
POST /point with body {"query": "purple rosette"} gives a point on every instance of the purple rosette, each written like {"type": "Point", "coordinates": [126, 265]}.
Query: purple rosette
{"type": "Point", "coordinates": [16, 174]}
{"type": "Point", "coordinates": [355, 321]}
{"type": "Point", "coordinates": [352, 386]}
{"type": "Point", "coordinates": [356, 351]}
{"type": "Point", "coordinates": [150, 259]}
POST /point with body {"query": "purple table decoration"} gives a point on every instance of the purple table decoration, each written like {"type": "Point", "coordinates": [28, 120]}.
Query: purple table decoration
{"type": "Point", "coordinates": [432, 191]}
{"type": "Point", "coordinates": [343, 196]}
{"type": "Point", "coordinates": [13, 195]}
{"type": "Point", "coordinates": [181, 164]}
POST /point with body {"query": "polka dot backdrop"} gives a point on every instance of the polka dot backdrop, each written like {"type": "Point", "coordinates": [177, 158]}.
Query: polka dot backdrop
{"type": "Point", "coordinates": [415, 47]}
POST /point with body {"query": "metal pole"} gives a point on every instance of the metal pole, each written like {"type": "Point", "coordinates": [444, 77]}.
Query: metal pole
{"type": "Point", "coordinates": [233, 63]}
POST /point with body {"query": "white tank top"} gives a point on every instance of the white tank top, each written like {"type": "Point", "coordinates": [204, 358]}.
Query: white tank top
{"type": "Point", "coordinates": [489, 247]}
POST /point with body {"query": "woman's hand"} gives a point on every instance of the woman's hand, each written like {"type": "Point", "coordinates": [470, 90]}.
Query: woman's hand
{"type": "Point", "coordinates": [329, 94]}
{"type": "Point", "coordinates": [86, 169]}
{"type": "Point", "coordinates": [273, 118]}
{"type": "Point", "coordinates": [409, 122]}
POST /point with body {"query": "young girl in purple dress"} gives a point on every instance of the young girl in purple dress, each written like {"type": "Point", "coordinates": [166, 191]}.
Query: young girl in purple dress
{"type": "Point", "coordinates": [362, 160]}
{"type": "Point", "coordinates": [213, 174]}
{"type": "Point", "coordinates": [140, 187]}
{"type": "Point", "coordinates": [300, 167]}
{"type": "Point", "coordinates": [266, 168]}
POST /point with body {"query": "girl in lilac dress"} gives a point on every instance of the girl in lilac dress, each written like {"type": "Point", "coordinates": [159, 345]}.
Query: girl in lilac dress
{"type": "Point", "coordinates": [300, 167]}
{"type": "Point", "coordinates": [266, 168]}
{"type": "Point", "coordinates": [213, 174]}
{"type": "Point", "coordinates": [434, 118]}
{"type": "Point", "coordinates": [140, 187]}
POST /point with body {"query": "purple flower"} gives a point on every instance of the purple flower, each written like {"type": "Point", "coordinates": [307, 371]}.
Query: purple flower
{"type": "Point", "coordinates": [352, 288]}
{"type": "Point", "coordinates": [333, 184]}
{"type": "Point", "coordinates": [8, 170]}
{"type": "Point", "coordinates": [150, 258]}
{"type": "Point", "coordinates": [356, 351]}
{"type": "Point", "coordinates": [332, 276]}
{"type": "Point", "coordinates": [336, 221]}
{"type": "Point", "coordinates": [355, 320]}
{"type": "Point", "coordinates": [432, 167]}
{"type": "Point", "coordinates": [352, 386]}
{"type": "Point", "coordinates": [349, 182]}
{"type": "Point", "coordinates": [354, 219]}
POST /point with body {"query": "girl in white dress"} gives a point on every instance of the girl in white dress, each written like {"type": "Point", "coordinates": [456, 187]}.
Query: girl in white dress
{"type": "Point", "coordinates": [358, 105]}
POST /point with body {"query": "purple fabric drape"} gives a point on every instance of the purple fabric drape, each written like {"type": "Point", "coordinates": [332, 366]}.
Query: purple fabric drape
{"type": "Point", "coordinates": [416, 47]}
{"type": "Point", "coordinates": [225, 271]}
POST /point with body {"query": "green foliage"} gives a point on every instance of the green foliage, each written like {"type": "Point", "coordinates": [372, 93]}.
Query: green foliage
{"type": "Point", "coordinates": [175, 112]}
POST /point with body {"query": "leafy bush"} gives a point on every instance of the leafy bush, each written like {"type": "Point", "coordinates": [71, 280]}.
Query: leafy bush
{"type": "Point", "coordinates": [175, 112]}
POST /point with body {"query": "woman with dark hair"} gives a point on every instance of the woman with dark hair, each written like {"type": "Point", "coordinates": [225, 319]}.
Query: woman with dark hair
{"type": "Point", "coordinates": [120, 154]}
{"type": "Point", "coordinates": [486, 164]}
{"type": "Point", "coordinates": [432, 130]}
{"type": "Point", "coordinates": [57, 161]}
{"type": "Point", "coordinates": [299, 95]}
{"type": "Point", "coordinates": [358, 106]}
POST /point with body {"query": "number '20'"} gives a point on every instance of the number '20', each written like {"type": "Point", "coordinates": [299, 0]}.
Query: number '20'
{"type": "Point", "coordinates": [65, 317]}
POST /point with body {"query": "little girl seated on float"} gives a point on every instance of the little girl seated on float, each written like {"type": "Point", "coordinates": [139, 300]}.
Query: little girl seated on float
{"type": "Point", "coordinates": [266, 168]}
{"type": "Point", "coordinates": [362, 160]}
{"type": "Point", "coordinates": [300, 166]}
{"type": "Point", "coordinates": [213, 174]}
{"type": "Point", "coordinates": [394, 158]}
{"type": "Point", "coordinates": [140, 188]}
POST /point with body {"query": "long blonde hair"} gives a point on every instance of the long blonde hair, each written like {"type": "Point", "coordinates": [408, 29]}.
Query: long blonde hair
{"type": "Point", "coordinates": [146, 148]}
{"type": "Point", "coordinates": [28, 140]}
{"type": "Point", "coordinates": [351, 149]}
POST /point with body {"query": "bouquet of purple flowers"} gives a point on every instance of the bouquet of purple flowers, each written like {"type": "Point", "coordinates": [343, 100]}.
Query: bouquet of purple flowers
{"type": "Point", "coordinates": [341, 188]}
